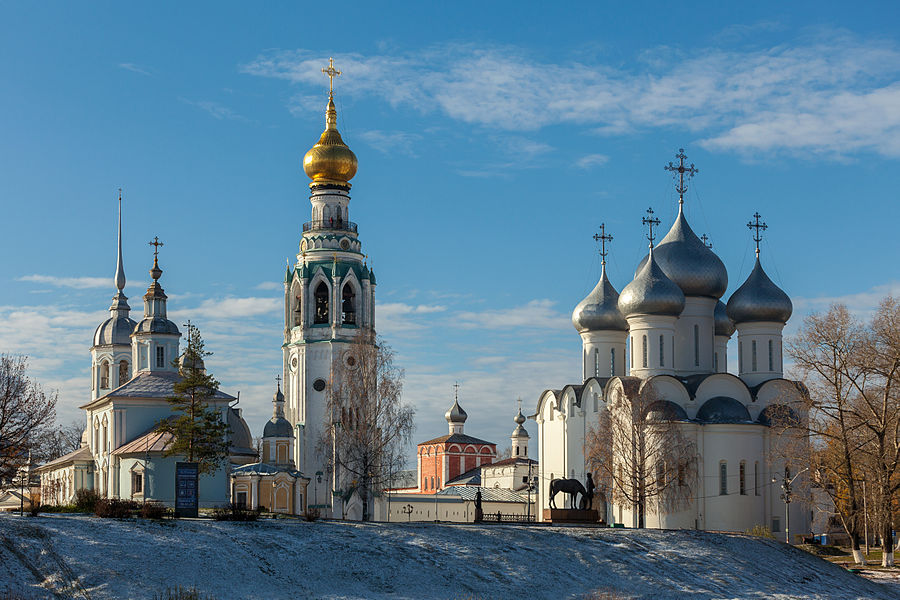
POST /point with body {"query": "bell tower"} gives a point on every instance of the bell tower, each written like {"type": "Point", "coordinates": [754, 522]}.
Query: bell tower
{"type": "Point", "coordinates": [329, 298]}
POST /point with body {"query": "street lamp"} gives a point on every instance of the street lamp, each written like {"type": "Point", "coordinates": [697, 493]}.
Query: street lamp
{"type": "Point", "coordinates": [407, 510]}
{"type": "Point", "coordinates": [787, 496]}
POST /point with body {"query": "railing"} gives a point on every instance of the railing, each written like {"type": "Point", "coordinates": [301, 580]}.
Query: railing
{"type": "Point", "coordinates": [506, 518]}
{"type": "Point", "coordinates": [329, 224]}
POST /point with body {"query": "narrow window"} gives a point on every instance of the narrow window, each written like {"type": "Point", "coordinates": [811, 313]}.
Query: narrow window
{"type": "Point", "coordinates": [612, 362]}
{"type": "Point", "coordinates": [756, 478]}
{"type": "Point", "coordinates": [716, 361]}
{"type": "Point", "coordinates": [123, 372]}
{"type": "Point", "coordinates": [723, 478]}
{"type": "Point", "coordinates": [596, 402]}
{"type": "Point", "coordinates": [348, 306]}
{"type": "Point", "coordinates": [432, 483]}
{"type": "Point", "coordinates": [632, 352]}
{"type": "Point", "coordinates": [596, 362]}
{"type": "Point", "coordinates": [662, 351]}
{"type": "Point", "coordinates": [517, 450]}
{"type": "Point", "coordinates": [771, 356]}
{"type": "Point", "coordinates": [137, 483]}
{"type": "Point", "coordinates": [741, 357]}
{"type": "Point", "coordinates": [660, 476]}
{"type": "Point", "coordinates": [160, 357]}
{"type": "Point", "coordinates": [321, 314]}
{"type": "Point", "coordinates": [696, 345]}
{"type": "Point", "coordinates": [753, 355]}
{"type": "Point", "coordinates": [645, 351]}
{"type": "Point", "coordinates": [104, 375]}
{"type": "Point", "coordinates": [743, 482]}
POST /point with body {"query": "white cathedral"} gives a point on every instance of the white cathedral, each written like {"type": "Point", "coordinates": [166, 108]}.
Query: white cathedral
{"type": "Point", "coordinates": [666, 337]}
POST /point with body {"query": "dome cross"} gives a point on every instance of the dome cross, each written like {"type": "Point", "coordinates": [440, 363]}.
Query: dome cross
{"type": "Point", "coordinates": [331, 72]}
{"type": "Point", "coordinates": [650, 222]}
{"type": "Point", "coordinates": [603, 238]}
{"type": "Point", "coordinates": [759, 227]}
{"type": "Point", "coordinates": [156, 244]}
{"type": "Point", "coordinates": [679, 171]}
{"type": "Point", "coordinates": [705, 239]}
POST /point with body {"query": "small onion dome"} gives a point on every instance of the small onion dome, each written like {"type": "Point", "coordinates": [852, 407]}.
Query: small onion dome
{"type": "Point", "coordinates": [599, 311]}
{"type": "Point", "coordinates": [758, 299]}
{"type": "Point", "coordinates": [665, 410]}
{"type": "Point", "coordinates": [114, 331]}
{"type": "Point", "coordinates": [520, 431]}
{"type": "Point", "coordinates": [330, 160]}
{"type": "Point", "coordinates": [723, 409]}
{"type": "Point", "coordinates": [456, 414]}
{"type": "Point", "coordinates": [651, 293]}
{"type": "Point", "coordinates": [687, 261]}
{"type": "Point", "coordinates": [723, 325]}
{"type": "Point", "coordinates": [193, 361]}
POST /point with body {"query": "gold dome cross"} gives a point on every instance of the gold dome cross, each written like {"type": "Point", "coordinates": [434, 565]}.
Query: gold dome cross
{"type": "Point", "coordinates": [331, 72]}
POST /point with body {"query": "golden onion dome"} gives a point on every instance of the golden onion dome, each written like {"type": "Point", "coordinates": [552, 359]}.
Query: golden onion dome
{"type": "Point", "coordinates": [330, 160]}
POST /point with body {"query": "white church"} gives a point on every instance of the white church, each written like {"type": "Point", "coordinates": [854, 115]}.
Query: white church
{"type": "Point", "coordinates": [666, 337]}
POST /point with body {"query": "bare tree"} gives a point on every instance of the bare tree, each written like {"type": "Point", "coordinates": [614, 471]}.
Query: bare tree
{"type": "Point", "coordinates": [59, 441]}
{"type": "Point", "coordinates": [852, 372]}
{"type": "Point", "coordinates": [368, 424]}
{"type": "Point", "coordinates": [26, 414]}
{"type": "Point", "coordinates": [641, 453]}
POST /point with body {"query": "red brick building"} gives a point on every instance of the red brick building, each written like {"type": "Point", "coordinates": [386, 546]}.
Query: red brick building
{"type": "Point", "coordinates": [444, 458]}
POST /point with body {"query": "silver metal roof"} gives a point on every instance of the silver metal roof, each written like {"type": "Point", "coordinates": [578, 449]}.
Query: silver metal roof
{"type": "Point", "coordinates": [599, 311]}
{"type": "Point", "coordinates": [723, 325]}
{"type": "Point", "coordinates": [759, 299]}
{"type": "Point", "coordinates": [456, 414]}
{"type": "Point", "coordinates": [651, 292]}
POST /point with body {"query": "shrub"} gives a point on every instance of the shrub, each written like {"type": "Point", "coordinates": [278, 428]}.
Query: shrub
{"type": "Point", "coordinates": [760, 531]}
{"type": "Point", "coordinates": [312, 514]}
{"type": "Point", "coordinates": [154, 510]}
{"type": "Point", "coordinates": [181, 593]}
{"type": "Point", "coordinates": [51, 508]}
{"type": "Point", "coordinates": [86, 500]}
{"type": "Point", "coordinates": [112, 508]}
{"type": "Point", "coordinates": [235, 512]}
{"type": "Point", "coordinates": [35, 508]}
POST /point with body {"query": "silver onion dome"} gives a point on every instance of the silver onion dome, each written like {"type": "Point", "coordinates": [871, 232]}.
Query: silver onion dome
{"type": "Point", "coordinates": [194, 361]}
{"type": "Point", "coordinates": [456, 414]}
{"type": "Point", "coordinates": [687, 261]}
{"type": "Point", "coordinates": [651, 292]}
{"type": "Point", "coordinates": [599, 311]}
{"type": "Point", "coordinates": [519, 431]}
{"type": "Point", "coordinates": [278, 425]}
{"type": "Point", "coordinates": [114, 331]}
{"type": "Point", "coordinates": [759, 299]}
{"type": "Point", "coordinates": [723, 325]}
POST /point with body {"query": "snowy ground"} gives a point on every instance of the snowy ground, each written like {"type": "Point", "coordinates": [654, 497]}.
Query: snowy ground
{"type": "Point", "coordinates": [66, 556]}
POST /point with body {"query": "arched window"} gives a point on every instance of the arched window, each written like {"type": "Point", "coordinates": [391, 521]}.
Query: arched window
{"type": "Point", "coordinates": [631, 358]}
{"type": "Point", "coordinates": [662, 351]}
{"type": "Point", "coordinates": [321, 295]}
{"type": "Point", "coordinates": [298, 309]}
{"type": "Point", "coordinates": [123, 372]}
{"type": "Point", "coordinates": [517, 450]}
{"type": "Point", "coordinates": [743, 478]}
{"type": "Point", "coordinates": [596, 401]}
{"type": "Point", "coordinates": [612, 362]}
{"type": "Point", "coordinates": [432, 482]}
{"type": "Point", "coordinates": [645, 351]}
{"type": "Point", "coordinates": [348, 305]}
{"type": "Point", "coordinates": [771, 356]}
{"type": "Point", "coordinates": [104, 375]}
{"type": "Point", "coordinates": [756, 478]}
{"type": "Point", "coordinates": [160, 357]}
{"type": "Point", "coordinates": [596, 362]}
{"type": "Point", "coordinates": [696, 345]}
{"type": "Point", "coordinates": [282, 454]}
{"type": "Point", "coordinates": [753, 354]}
{"type": "Point", "coordinates": [723, 478]}
{"type": "Point", "coordinates": [741, 357]}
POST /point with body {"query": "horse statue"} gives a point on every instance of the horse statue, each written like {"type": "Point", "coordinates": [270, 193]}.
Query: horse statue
{"type": "Point", "coordinates": [573, 487]}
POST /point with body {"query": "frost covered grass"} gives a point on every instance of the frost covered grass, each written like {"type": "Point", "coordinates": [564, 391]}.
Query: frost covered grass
{"type": "Point", "coordinates": [82, 556]}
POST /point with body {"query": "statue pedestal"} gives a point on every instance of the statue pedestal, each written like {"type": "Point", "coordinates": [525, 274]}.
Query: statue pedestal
{"type": "Point", "coordinates": [569, 515]}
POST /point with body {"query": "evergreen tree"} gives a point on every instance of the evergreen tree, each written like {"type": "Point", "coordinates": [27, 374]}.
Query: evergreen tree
{"type": "Point", "coordinates": [199, 433]}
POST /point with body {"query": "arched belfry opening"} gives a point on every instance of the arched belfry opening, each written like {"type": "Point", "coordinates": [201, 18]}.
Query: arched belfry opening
{"type": "Point", "coordinates": [348, 305]}
{"type": "Point", "coordinates": [321, 296]}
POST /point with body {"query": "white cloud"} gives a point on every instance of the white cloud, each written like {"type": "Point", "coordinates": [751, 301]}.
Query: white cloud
{"type": "Point", "coordinates": [395, 317]}
{"type": "Point", "coordinates": [233, 308]}
{"type": "Point", "coordinates": [134, 68]}
{"type": "Point", "coordinates": [828, 93]}
{"type": "Point", "coordinates": [215, 110]}
{"type": "Point", "coordinates": [70, 282]}
{"type": "Point", "coordinates": [592, 160]}
{"type": "Point", "coordinates": [862, 304]}
{"type": "Point", "coordinates": [270, 285]}
{"type": "Point", "coordinates": [392, 142]}
{"type": "Point", "coordinates": [537, 314]}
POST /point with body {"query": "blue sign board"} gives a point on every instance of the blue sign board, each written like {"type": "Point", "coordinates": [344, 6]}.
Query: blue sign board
{"type": "Point", "coordinates": [187, 493]}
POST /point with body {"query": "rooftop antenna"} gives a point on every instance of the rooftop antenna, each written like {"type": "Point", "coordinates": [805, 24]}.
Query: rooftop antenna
{"type": "Point", "coordinates": [759, 227]}
{"type": "Point", "coordinates": [650, 222]}
{"type": "Point", "coordinates": [679, 171]}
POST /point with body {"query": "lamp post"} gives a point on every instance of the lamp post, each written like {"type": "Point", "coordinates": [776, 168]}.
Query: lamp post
{"type": "Point", "coordinates": [787, 496]}
{"type": "Point", "coordinates": [407, 510]}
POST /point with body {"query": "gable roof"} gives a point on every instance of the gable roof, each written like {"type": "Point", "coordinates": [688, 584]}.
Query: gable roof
{"type": "Point", "coordinates": [152, 441]}
{"type": "Point", "coordinates": [83, 453]}
{"type": "Point", "coordinates": [151, 385]}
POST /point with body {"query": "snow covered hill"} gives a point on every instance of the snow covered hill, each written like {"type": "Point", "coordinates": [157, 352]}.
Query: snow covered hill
{"type": "Point", "coordinates": [85, 557]}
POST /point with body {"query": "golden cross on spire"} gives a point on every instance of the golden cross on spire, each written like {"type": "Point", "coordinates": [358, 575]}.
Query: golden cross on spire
{"type": "Point", "coordinates": [156, 244]}
{"type": "Point", "coordinates": [332, 73]}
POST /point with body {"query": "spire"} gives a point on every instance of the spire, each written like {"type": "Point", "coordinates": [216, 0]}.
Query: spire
{"type": "Point", "coordinates": [679, 171]}
{"type": "Point", "coordinates": [120, 268]}
{"type": "Point", "coordinates": [330, 161]}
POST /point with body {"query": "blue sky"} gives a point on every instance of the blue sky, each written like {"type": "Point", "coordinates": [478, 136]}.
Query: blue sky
{"type": "Point", "coordinates": [493, 139]}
